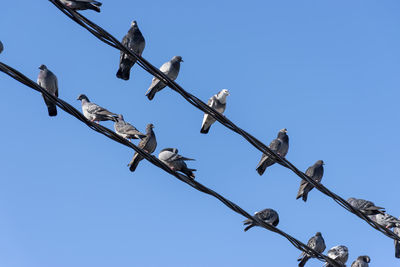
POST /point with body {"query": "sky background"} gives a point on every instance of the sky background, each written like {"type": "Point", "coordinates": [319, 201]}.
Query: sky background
{"type": "Point", "coordinates": [328, 71]}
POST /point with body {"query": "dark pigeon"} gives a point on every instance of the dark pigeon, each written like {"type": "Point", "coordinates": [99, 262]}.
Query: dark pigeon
{"type": "Point", "coordinates": [82, 4]}
{"type": "Point", "coordinates": [48, 81]}
{"type": "Point", "coordinates": [315, 172]}
{"type": "Point", "coordinates": [175, 161]}
{"type": "Point", "coordinates": [94, 112]}
{"type": "Point", "coordinates": [361, 261]}
{"type": "Point", "coordinates": [339, 254]}
{"type": "Point", "coordinates": [396, 230]}
{"type": "Point", "coordinates": [280, 145]}
{"type": "Point", "coordinates": [269, 216]}
{"type": "Point", "coordinates": [1, 47]}
{"type": "Point", "coordinates": [133, 41]}
{"type": "Point", "coordinates": [126, 130]}
{"type": "Point", "coordinates": [148, 144]}
{"type": "Point", "coordinates": [365, 206]}
{"type": "Point", "coordinates": [217, 102]}
{"type": "Point", "coordinates": [171, 69]}
{"type": "Point", "coordinates": [317, 243]}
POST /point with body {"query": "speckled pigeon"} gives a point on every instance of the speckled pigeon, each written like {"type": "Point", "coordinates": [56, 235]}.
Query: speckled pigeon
{"type": "Point", "coordinates": [365, 206]}
{"type": "Point", "coordinates": [126, 130]}
{"type": "Point", "coordinates": [135, 42]}
{"type": "Point", "coordinates": [280, 145]}
{"type": "Point", "coordinates": [82, 4]}
{"type": "Point", "coordinates": [317, 243]}
{"type": "Point", "coordinates": [361, 261]}
{"type": "Point", "coordinates": [171, 69]}
{"type": "Point", "coordinates": [217, 102]}
{"type": "Point", "coordinates": [175, 161]}
{"type": "Point", "coordinates": [339, 254]}
{"type": "Point", "coordinates": [386, 220]}
{"type": "Point", "coordinates": [94, 112]}
{"type": "Point", "coordinates": [315, 172]}
{"type": "Point", "coordinates": [148, 144]}
{"type": "Point", "coordinates": [269, 216]}
{"type": "Point", "coordinates": [48, 81]}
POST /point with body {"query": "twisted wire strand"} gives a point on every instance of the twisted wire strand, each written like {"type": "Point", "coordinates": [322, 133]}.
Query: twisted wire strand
{"type": "Point", "coordinates": [107, 38]}
{"type": "Point", "coordinates": [155, 161]}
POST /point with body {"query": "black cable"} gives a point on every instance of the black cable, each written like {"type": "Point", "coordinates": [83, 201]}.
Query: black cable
{"type": "Point", "coordinates": [155, 161]}
{"type": "Point", "coordinates": [107, 38]}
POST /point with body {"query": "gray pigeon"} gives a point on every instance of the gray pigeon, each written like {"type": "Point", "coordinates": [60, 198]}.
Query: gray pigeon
{"type": "Point", "coordinates": [396, 230]}
{"type": "Point", "coordinates": [317, 243]}
{"type": "Point", "coordinates": [171, 69]}
{"type": "Point", "coordinates": [361, 261]}
{"type": "Point", "coordinates": [386, 220]}
{"type": "Point", "coordinates": [280, 145]}
{"type": "Point", "coordinates": [82, 4]}
{"type": "Point", "coordinates": [365, 206]}
{"type": "Point", "coordinates": [339, 254]}
{"type": "Point", "coordinates": [315, 172]}
{"type": "Point", "coordinates": [269, 216]}
{"type": "Point", "coordinates": [94, 112]}
{"type": "Point", "coordinates": [217, 102]}
{"type": "Point", "coordinates": [133, 41]}
{"type": "Point", "coordinates": [126, 130]}
{"type": "Point", "coordinates": [48, 81]}
{"type": "Point", "coordinates": [1, 47]}
{"type": "Point", "coordinates": [147, 143]}
{"type": "Point", "coordinates": [175, 161]}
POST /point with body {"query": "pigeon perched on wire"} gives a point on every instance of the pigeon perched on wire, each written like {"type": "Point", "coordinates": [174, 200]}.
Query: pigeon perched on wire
{"type": "Point", "coordinates": [82, 4]}
{"type": "Point", "coordinates": [317, 243]}
{"type": "Point", "coordinates": [94, 112]}
{"type": "Point", "coordinates": [396, 230]}
{"type": "Point", "coordinates": [148, 144]}
{"type": "Point", "coordinates": [361, 261]}
{"type": "Point", "coordinates": [269, 216]}
{"type": "Point", "coordinates": [175, 161]}
{"type": "Point", "coordinates": [217, 102]}
{"type": "Point", "coordinates": [171, 69]}
{"type": "Point", "coordinates": [280, 146]}
{"type": "Point", "coordinates": [315, 172]}
{"type": "Point", "coordinates": [386, 220]}
{"type": "Point", "coordinates": [339, 254]}
{"type": "Point", "coordinates": [48, 81]}
{"type": "Point", "coordinates": [133, 41]}
{"type": "Point", "coordinates": [365, 206]}
{"type": "Point", "coordinates": [126, 130]}
{"type": "Point", "coordinates": [1, 47]}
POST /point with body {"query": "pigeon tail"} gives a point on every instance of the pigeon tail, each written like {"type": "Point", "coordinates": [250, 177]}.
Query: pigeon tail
{"type": "Point", "coordinates": [52, 111]}
{"type": "Point", "coordinates": [397, 249]}
{"type": "Point", "coordinates": [263, 165]}
{"type": "Point", "coordinates": [189, 173]}
{"type": "Point", "coordinates": [124, 70]}
{"type": "Point", "coordinates": [249, 226]}
{"type": "Point", "coordinates": [304, 196]}
{"type": "Point", "coordinates": [150, 94]}
{"type": "Point", "coordinates": [303, 261]}
{"type": "Point", "coordinates": [205, 129]}
{"type": "Point", "coordinates": [261, 169]}
{"type": "Point", "coordinates": [135, 162]}
{"type": "Point", "coordinates": [94, 6]}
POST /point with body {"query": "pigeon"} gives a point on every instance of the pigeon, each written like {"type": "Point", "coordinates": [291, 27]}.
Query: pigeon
{"type": "Point", "coordinates": [317, 243]}
{"type": "Point", "coordinates": [396, 230]}
{"type": "Point", "coordinates": [1, 47]}
{"type": "Point", "coordinates": [48, 81]}
{"type": "Point", "coordinates": [134, 42]}
{"type": "Point", "coordinates": [386, 220]}
{"type": "Point", "coordinates": [126, 130]}
{"type": "Point", "coordinates": [269, 216]}
{"type": "Point", "coordinates": [315, 172]}
{"type": "Point", "coordinates": [94, 112]}
{"type": "Point", "coordinates": [148, 144]}
{"type": "Point", "coordinates": [339, 254]}
{"type": "Point", "coordinates": [176, 162]}
{"type": "Point", "coordinates": [365, 206]}
{"type": "Point", "coordinates": [171, 69]}
{"type": "Point", "coordinates": [217, 102]}
{"type": "Point", "coordinates": [280, 145]}
{"type": "Point", "coordinates": [361, 261]}
{"type": "Point", "coordinates": [82, 4]}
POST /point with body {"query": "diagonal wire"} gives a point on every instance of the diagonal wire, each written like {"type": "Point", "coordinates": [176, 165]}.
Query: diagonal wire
{"type": "Point", "coordinates": [152, 159]}
{"type": "Point", "coordinates": [107, 38]}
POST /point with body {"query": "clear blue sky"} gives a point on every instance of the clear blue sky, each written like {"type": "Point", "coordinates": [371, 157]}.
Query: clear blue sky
{"type": "Point", "coordinates": [328, 71]}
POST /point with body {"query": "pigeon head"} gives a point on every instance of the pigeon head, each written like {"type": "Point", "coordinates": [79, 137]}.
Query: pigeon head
{"type": "Point", "coordinates": [120, 117]}
{"type": "Point", "coordinates": [42, 67]}
{"type": "Point", "coordinates": [177, 58]}
{"type": "Point", "coordinates": [364, 259]}
{"type": "Point", "coordinates": [134, 23]}
{"type": "Point", "coordinates": [222, 95]}
{"type": "Point", "coordinates": [284, 130]}
{"type": "Point", "coordinates": [149, 126]}
{"type": "Point", "coordinates": [318, 234]}
{"type": "Point", "coordinates": [352, 199]}
{"type": "Point", "coordinates": [320, 162]}
{"type": "Point", "coordinates": [82, 97]}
